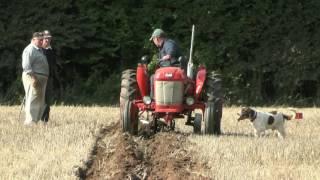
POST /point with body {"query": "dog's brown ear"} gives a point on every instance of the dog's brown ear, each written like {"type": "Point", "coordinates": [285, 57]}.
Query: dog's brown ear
{"type": "Point", "coordinates": [249, 110]}
{"type": "Point", "coordinates": [242, 116]}
{"type": "Point", "coordinates": [239, 116]}
{"type": "Point", "coordinates": [245, 113]}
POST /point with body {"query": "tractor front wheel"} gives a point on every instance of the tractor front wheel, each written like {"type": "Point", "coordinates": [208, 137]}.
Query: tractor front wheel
{"type": "Point", "coordinates": [130, 118]}
{"type": "Point", "coordinates": [197, 123]}
{"type": "Point", "coordinates": [212, 118]}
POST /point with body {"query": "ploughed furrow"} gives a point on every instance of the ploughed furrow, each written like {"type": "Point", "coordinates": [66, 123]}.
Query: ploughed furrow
{"type": "Point", "coordinates": [161, 156]}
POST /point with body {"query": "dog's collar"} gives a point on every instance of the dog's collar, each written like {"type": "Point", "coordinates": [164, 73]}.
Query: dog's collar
{"type": "Point", "coordinates": [254, 116]}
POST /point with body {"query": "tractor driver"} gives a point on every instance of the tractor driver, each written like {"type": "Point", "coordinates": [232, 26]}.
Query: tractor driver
{"type": "Point", "coordinates": [169, 51]}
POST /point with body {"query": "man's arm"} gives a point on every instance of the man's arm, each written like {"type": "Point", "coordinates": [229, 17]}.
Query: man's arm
{"type": "Point", "coordinates": [166, 57]}
{"type": "Point", "coordinates": [26, 61]}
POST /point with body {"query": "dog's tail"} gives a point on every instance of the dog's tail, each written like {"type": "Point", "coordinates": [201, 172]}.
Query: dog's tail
{"type": "Point", "coordinates": [287, 117]}
{"type": "Point", "coordinates": [291, 116]}
{"type": "Point", "coordinates": [296, 114]}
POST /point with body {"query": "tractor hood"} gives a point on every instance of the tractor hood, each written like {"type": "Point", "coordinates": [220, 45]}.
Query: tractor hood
{"type": "Point", "coordinates": [170, 74]}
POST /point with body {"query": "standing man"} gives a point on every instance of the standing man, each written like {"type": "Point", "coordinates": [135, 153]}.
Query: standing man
{"type": "Point", "coordinates": [51, 58]}
{"type": "Point", "coordinates": [169, 51]}
{"type": "Point", "coordinates": [34, 78]}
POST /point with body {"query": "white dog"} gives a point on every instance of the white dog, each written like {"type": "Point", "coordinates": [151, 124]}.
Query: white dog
{"type": "Point", "coordinates": [263, 121]}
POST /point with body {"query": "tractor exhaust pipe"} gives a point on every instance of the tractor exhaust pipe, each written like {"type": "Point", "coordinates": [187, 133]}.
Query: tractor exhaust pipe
{"type": "Point", "coordinates": [190, 63]}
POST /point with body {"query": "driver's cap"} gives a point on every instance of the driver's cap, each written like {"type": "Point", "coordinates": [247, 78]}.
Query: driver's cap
{"type": "Point", "coordinates": [157, 33]}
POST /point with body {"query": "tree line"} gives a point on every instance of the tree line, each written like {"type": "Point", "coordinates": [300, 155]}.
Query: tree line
{"type": "Point", "coordinates": [266, 51]}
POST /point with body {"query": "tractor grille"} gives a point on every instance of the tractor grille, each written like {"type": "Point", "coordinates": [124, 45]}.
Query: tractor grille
{"type": "Point", "coordinates": [168, 92]}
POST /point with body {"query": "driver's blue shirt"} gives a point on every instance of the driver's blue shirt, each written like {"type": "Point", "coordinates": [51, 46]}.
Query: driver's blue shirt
{"type": "Point", "coordinates": [169, 47]}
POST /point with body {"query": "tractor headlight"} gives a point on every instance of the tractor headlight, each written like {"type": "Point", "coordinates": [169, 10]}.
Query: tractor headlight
{"type": "Point", "coordinates": [190, 101]}
{"type": "Point", "coordinates": [147, 100]}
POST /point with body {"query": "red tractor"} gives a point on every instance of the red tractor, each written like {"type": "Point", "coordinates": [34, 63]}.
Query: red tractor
{"type": "Point", "coordinates": [176, 94]}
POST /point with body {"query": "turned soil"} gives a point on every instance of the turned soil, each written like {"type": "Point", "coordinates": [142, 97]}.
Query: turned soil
{"type": "Point", "coordinates": [119, 155]}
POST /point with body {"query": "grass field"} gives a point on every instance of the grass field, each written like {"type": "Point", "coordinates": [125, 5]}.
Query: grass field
{"type": "Point", "coordinates": [239, 155]}
{"type": "Point", "coordinates": [56, 150]}
{"type": "Point", "coordinates": [53, 151]}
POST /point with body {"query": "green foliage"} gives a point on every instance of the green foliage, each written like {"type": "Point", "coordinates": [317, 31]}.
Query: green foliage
{"type": "Point", "coordinates": [93, 91]}
{"type": "Point", "coordinates": [267, 51]}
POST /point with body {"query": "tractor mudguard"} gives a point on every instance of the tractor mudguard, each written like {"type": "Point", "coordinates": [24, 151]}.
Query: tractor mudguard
{"type": "Point", "coordinates": [200, 79]}
{"type": "Point", "coordinates": [143, 80]}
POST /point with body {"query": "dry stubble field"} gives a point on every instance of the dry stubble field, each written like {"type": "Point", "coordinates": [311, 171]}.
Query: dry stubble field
{"type": "Point", "coordinates": [65, 147]}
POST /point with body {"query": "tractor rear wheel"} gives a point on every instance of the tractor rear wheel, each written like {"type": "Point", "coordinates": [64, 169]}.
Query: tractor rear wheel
{"type": "Point", "coordinates": [129, 90]}
{"type": "Point", "coordinates": [213, 109]}
{"type": "Point", "coordinates": [130, 118]}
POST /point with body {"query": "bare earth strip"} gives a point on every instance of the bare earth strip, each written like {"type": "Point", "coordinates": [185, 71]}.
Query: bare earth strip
{"type": "Point", "coordinates": [162, 156]}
